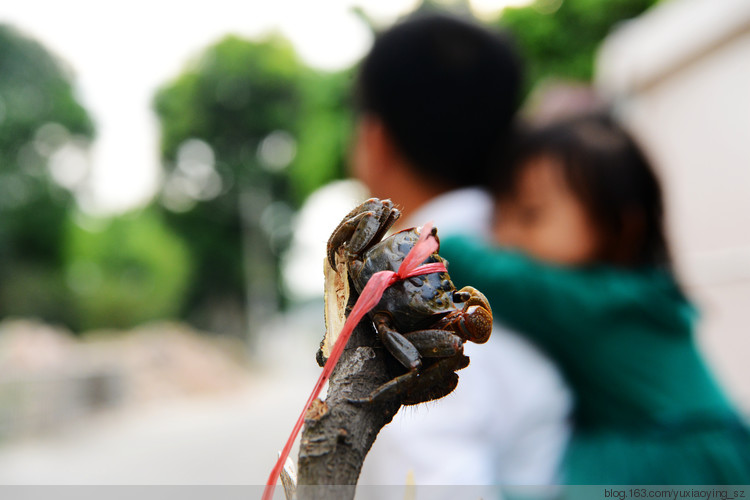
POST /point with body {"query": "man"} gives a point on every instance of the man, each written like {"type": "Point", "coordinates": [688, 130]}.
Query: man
{"type": "Point", "coordinates": [436, 97]}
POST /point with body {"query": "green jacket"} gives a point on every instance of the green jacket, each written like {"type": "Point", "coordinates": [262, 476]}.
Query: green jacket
{"type": "Point", "coordinates": [647, 410]}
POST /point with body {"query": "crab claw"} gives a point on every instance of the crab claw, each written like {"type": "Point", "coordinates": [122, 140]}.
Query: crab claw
{"type": "Point", "coordinates": [474, 321]}
{"type": "Point", "coordinates": [476, 324]}
{"type": "Point", "coordinates": [363, 226]}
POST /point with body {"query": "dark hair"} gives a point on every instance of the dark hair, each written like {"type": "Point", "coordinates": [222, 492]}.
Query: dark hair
{"type": "Point", "coordinates": [612, 177]}
{"type": "Point", "coordinates": [446, 90]}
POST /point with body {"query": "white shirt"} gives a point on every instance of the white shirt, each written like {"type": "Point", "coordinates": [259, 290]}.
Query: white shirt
{"type": "Point", "coordinates": [506, 422]}
{"type": "Point", "coordinates": [466, 211]}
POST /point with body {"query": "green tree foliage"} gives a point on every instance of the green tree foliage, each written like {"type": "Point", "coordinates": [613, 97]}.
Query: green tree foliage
{"type": "Point", "coordinates": [39, 116]}
{"type": "Point", "coordinates": [247, 133]}
{"type": "Point", "coordinates": [229, 131]}
{"type": "Point", "coordinates": [124, 270]}
{"type": "Point", "coordinates": [232, 97]}
{"type": "Point", "coordinates": [559, 38]}
{"type": "Point", "coordinates": [324, 132]}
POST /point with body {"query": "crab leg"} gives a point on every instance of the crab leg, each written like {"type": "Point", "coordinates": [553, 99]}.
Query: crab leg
{"type": "Point", "coordinates": [393, 216]}
{"type": "Point", "coordinates": [403, 350]}
{"type": "Point", "coordinates": [435, 343]}
{"type": "Point", "coordinates": [394, 387]}
{"type": "Point", "coordinates": [368, 227]}
{"type": "Point", "coordinates": [435, 382]}
{"type": "Point", "coordinates": [344, 232]}
{"type": "Point", "coordinates": [416, 387]}
{"type": "Point", "coordinates": [407, 349]}
{"type": "Point", "coordinates": [364, 225]}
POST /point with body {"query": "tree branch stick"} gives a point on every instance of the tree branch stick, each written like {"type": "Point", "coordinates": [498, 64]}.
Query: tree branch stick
{"type": "Point", "coordinates": [337, 434]}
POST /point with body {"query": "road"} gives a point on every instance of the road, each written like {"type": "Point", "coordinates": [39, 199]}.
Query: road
{"type": "Point", "coordinates": [228, 439]}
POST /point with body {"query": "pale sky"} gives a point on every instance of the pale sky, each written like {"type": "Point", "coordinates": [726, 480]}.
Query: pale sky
{"type": "Point", "coordinates": [122, 52]}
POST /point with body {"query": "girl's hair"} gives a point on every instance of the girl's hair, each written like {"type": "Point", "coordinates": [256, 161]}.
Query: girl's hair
{"type": "Point", "coordinates": [609, 173]}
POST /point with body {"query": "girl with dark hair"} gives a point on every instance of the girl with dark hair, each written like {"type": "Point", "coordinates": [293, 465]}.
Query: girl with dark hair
{"type": "Point", "coordinates": [583, 269]}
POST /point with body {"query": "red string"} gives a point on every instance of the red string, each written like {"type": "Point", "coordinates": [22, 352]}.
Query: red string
{"type": "Point", "coordinates": [369, 297]}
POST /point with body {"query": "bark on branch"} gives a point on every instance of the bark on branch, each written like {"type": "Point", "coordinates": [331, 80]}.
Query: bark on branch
{"type": "Point", "coordinates": [337, 434]}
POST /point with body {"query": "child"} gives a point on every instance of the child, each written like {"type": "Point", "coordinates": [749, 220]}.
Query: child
{"type": "Point", "coordinates": [588, 277]}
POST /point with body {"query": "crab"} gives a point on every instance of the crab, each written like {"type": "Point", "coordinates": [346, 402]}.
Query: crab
{"type": "Point", "coordinates": [422, 321]}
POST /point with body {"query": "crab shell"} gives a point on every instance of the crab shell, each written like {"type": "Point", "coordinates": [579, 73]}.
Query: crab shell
{"type": "Point", "coordinates": [414, 303]}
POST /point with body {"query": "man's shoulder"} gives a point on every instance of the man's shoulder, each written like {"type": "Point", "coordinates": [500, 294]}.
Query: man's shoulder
{"type": "Point", "coordinates": [465, 211]}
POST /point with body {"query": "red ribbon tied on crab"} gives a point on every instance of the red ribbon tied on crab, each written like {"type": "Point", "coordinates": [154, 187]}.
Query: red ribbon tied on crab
{"type": "Point", "coordinates": [371, 294]}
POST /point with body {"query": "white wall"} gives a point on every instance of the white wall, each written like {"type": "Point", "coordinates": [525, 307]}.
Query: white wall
{"type": "Point", "coordinates": [680, 76]}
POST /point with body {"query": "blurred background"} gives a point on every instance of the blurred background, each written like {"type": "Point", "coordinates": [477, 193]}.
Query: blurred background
{"type": "Point", "coordinates": [169, 175]}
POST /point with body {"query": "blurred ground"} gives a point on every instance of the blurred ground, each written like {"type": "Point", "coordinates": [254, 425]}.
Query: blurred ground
{"type": "Point", "coordinates": [184, 419]}
{"type": "Point", "coordinates": [159, 405]}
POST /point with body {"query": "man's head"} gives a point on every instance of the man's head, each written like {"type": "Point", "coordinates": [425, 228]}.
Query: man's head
{"type": "Point", "coordinates": [436, 95]}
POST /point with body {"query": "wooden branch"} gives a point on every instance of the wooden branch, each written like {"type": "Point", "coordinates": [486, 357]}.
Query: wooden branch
{"type": "Point", "coordinates": [337, 434]}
